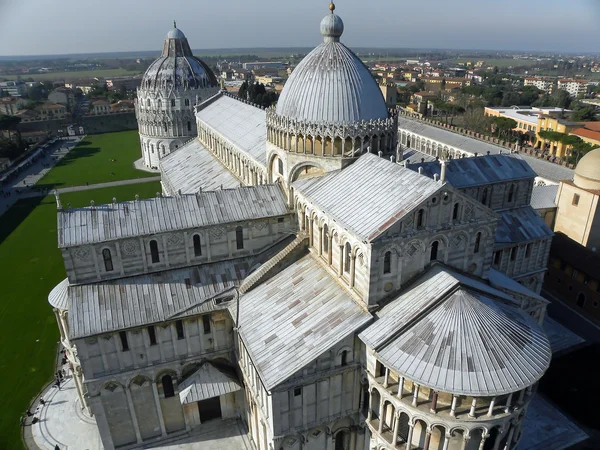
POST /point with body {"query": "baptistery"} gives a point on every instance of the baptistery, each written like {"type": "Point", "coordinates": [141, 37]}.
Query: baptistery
{"type": "Point", "coordinates": [170, 88]}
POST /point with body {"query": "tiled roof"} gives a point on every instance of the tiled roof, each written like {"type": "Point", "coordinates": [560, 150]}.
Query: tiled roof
{"type": "Point", "coordinates": [386, 190]}
{"type": "Point", "coordinates": [193, 167]}
{"type": "Point", "coordinates": [159, 215]}
{"type": "Point", "coordinates": [585, 133]}
{"type": "Point", "coordinates": [141, 300]}
{"type": "Point", "coordinates": [292, 318]}
{"type": "Point", "coordinates": [243, 125]}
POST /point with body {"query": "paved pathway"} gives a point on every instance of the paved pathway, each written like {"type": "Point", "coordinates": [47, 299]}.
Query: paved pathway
{"type": "Point", "coordinates": [18, 187]}
{"type": "Point", "coordinates": [93, 186]}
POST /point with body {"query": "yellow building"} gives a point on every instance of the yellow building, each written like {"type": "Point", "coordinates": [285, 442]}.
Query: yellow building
{"type": "Point", "coordinates": [548, 123]}
{"type": "Point", "coordinates": [578, 212]}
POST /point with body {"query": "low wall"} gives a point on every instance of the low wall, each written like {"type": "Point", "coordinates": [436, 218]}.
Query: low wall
{"type": "Point", "coordinates": [92, 124]}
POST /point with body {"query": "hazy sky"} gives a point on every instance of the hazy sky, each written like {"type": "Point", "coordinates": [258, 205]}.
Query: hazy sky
{"type": "Point", "coordinates": [33, 27]}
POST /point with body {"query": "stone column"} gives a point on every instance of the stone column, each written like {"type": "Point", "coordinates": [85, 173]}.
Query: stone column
{"type": "Point", "coordinates": [320, 241]}
{"type": "Point", "coordinates": [310, 232]}
{"type": "Point", "coordinates": [490, 412]}
{"type": "Point", "coordinates": [483, 439]}
{"type": "Point", "coordinates": [400, 387]}
{"type": "Point", "coordinates": [370, 406]}
{"type": "Point", "coordinates": [473, 406]}
{"type": "Point", "coordinates": [434, 398]}
{"type": "Point", "coordinates": [133, 416]}
{"type": "Point", "coordinates": [415, 394]}
{"type": "Point", "coordinates": [386, 377]}
{"type": "Point", "coordinates": [352, 270]}
{"type": "Point", "coordinates": [381, 411]}
{"type": "Point", "coordinates": [409, 437]}
{"type": "Point", "coordinates": [427, 440]}
{"type": "Point", "coordinates": [508, 402]}
{"type": "Point", "coordinates": [396, 429]}
{"type": "Point", "coordinates": [161, 419]}
{"type": "Point", "coordinates": [521, 396]}
{"type": "Point", "coordinates": [509, 440]}
{"type": "Point", "coordinates": [330, 250]}
{"type": "Point", "coordinates": [329, 440]}
{"type": "Point", "coordinates": [453, 406]}
{"type": "Point", "coordinates": [447, 438]}
{"type": "Point", "coordinates": [464, 442]}
{"type": "Point", "coordinates": [341, 261]}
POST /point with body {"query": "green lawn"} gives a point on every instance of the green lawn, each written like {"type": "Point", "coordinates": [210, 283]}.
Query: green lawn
{"type": "Point", "coordinates": [100, 73]}
{"type": "Point", "coordinates": [91, 161]}
{"type": "Point", "coordinates": [30, 266]}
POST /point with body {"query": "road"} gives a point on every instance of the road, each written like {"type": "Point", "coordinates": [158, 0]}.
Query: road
{"type": "Point", "coordinates": [20, 186]}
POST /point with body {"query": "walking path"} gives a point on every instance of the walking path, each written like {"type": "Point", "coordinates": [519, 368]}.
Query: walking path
{"type": "Point", "coordinates": [19, 187]}
{"type": "Point", "coordinates": [93, 186]}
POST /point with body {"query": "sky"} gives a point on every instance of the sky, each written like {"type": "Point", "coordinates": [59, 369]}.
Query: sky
{"type": "Point", "coordinates": [41, 27]}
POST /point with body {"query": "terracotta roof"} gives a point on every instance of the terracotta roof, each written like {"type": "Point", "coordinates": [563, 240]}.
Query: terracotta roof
{"type": "Point", "coordinates": [585, 133]}
{"type": "Point", "coordinates": [50, 106]}
{"type": "Point", "coordinates": [592, 125]}
{"type": "Point", "coordinates": [100, 102]}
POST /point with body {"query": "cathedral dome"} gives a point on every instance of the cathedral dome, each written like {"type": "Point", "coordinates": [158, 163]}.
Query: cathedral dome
{"type": "Point", "coordinates": [331, 84]}
{"type": "Point", "coordinates": [178, 68]}
{"type": "Point", "coordinates": [587, 172]}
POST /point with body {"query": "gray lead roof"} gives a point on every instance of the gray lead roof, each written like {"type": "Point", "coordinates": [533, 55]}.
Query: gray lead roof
{"type": "Point", "coordinates": [369, 196]}
{"type": "Point", "coordinates": [243, 125]}
{"type": "Point", "coordinates": [159, 215]}
{"type": "Point", "coordinates": [207, 382]}
{"type": "Point", "coordinates": [116, 305]}
{"type": "Point", "coordinates": [294, 317]}
{"type": "Point", "coordinates": [521, 225]}
{"type": "Point", "coordinates": [193, 167]}
{"type": "Point", "coordinates": [482, 170]}
{"type": "Point", "coordinates": [451, 336]}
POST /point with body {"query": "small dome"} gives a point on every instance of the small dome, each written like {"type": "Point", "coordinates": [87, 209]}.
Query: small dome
{"type": "Point", "coordinates": [331, 84]}
{"type": "Point", "coordinates": [587, 172]}
{"type": "Point", "coordinates": [178, 68]}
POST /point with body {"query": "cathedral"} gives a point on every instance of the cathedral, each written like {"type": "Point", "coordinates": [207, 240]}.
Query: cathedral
{"type": "Point", "coordinates": [295, 275]}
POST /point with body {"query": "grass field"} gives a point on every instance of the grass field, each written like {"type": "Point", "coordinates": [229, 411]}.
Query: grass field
{"type": "Point", "coordinates": [91, 161]}
{"type": "Point", "coordinates": [101, 73]}
{"type": "Point", "coordinates": [31, 265]}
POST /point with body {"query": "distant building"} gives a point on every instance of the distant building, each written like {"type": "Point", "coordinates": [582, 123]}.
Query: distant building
{"type": "Point", "coordinates": [13, 88]}
{"type": "Point", "coordinates": [543, 84]}
{"type": "Point", "coordinates": [390, 94]}
{"type": "Point", "coordinates": [263, 65]}
{"type": "Point", "coordinates": [100, 107]}
{"type": "Point", "coordinates": [63, 96]}
{"type": "Point", "coordinates": [575, 88]}
{"type": "Point", "coordinates": [128, 83]}
{"type": "Point", "coordinates": [9, 106]}
{"type": "Point", "coordinates": [51, 111]}
{"type": "Point", "coordinates": [33, 137]}
{"type": "Point", "coordinates": [4, 163]}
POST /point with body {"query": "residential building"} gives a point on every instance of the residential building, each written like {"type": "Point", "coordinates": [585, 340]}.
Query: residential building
{"type": "Point", "coordinates": [13, 88]}
{"type": "Point", "coordinates": [127, 83]}
{"type": "Point", "coordinates": [290, 277]}
{"type": "Point", "coordinates": [51, 111]}
{"type": "Point", "coordinates": [33, 137]}
{"type": "Point", "coordinates": [100, 107]}
{"type": "Point", "coordinates": [543, 84]}
{"type": "Point", "coordinates": [63, 96]}
{"type": "Point", "coordinates": [575, 88]}
{"type": "Point", "coordinates": [9, 106]}
{"type": "Point", "coordinates": [277, 65]}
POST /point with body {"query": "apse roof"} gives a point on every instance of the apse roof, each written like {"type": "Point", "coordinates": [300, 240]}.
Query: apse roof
{"type": "Point", "coordinates": [58, 296]}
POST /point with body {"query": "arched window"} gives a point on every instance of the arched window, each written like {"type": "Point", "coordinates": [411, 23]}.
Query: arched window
{"type": "Point", "coordinates": [581, 299]}
{"type": "Point", "coordinates": [187, 102]}
{"type": "Point", "coordinates": [345, 358]}
{"type": "Point", "coordinates": [484, 196]}
{"type": "Point", "coordinates": [455, 212]}
{"type": "Point", "coordinates": [325, 239]}
{"type": "Point", "coordinates": [239, 238]}
{"type": "Point", "coordinates": [477, 242]}
{"type": "Point", "coordinates": [511, 193]}
{"type": "Point", "coordinates": [172, 103]}
{"type": "Point", "coordinates": [189, 126]}
{"type": "Point", "coordinates": [154, 251]}
{"type": "Point", "coordinates": [420, 218]}
{"type": "Point", "coordinates": [434, 251]}
{"type": "Point", "coordinates": [166, 127]}
{"type": "Point", "coordinates": [148, 103]}
{"type": "Point", "coordinates": [108, 265]}
{"type": "Point", "coordinates": [280, 166]}
{"type": "Point", "coordinates": [347, 251]}
{"type": "Point", "coordinates": [159, 104]}
{"type": "Point", "coordinates": [167, 384]}
{"type": "Point", "coordinates": [197, 245]}
{"type": "Point", "coordinates": [497, 258]}
{"type": "Point", "coordinates": [387, 262]}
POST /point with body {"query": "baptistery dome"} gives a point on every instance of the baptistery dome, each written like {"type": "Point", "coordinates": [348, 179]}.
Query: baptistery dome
{"type": "Point", "coordinates": [178, 68]}
{"type": "Point", "coordinates": [331, 84]}
{"type": "Point", "coordinates": [170, 88]}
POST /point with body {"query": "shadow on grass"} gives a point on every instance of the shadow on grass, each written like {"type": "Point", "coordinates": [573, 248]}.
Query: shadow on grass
{"type": "Point", "coordinates": [76, 153]}
{"type": "Point", "coordinates": [16, 214]}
